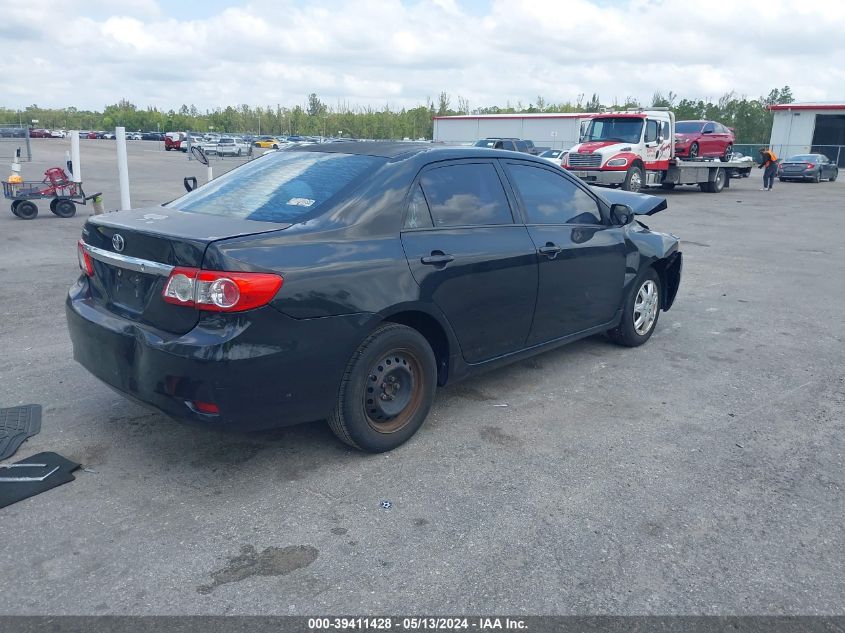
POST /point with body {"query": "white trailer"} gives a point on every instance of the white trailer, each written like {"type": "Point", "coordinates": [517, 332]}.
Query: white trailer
{"type": "Point", "coordinates": [550, 130]}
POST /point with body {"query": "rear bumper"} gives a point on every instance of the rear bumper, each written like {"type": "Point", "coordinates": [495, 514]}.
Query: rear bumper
{"type": "Point", "coordinates": [261, 368]}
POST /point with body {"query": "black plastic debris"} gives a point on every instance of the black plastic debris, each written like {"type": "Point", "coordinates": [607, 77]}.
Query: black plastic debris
{"type": "Point", "coordinates": [17, 424]}
{"type": "Point", "coordinates": [386, 505]}
{"type": "Point", "coordinates": [32, 476]}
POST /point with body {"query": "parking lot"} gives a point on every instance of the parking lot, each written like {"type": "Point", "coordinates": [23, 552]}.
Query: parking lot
{"type": "Point", "coordinates": [701, 473]}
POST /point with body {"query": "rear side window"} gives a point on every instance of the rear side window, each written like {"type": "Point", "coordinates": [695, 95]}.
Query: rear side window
{"type": "Point", "coordinates": [521, 146]}
{"type": "Point", "coordinates": [279, 187]}
{"type": "Point", "coordinates": [418, 214]}
{"type": "Point", "coordinates": [550, 198]}
{"type": "Point", "coordinates": [466, 195]}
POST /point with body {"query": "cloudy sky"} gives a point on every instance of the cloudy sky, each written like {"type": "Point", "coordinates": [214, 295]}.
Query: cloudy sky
{"type": "Point", "coordinates": [89, 53]}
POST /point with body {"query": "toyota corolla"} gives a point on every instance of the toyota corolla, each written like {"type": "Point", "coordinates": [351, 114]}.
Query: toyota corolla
{"type": "Point", "coordinates": [347, 281]}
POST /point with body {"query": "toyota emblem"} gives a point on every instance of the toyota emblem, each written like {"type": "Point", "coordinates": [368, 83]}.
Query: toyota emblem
{"type": "Point", "coordinates": [117, 242]}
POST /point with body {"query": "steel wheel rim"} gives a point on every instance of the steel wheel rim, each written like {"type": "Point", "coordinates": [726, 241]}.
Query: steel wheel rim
{"type": "Point", "coordinates": [393, 391]}
{"type": "Point", "coordinates": [636, 181]}
{"type": "Point", "coordinates": [645, 307]}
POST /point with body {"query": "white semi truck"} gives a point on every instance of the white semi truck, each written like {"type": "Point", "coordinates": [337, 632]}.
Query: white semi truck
{"type": "Point", "coordinates": [635, 149]}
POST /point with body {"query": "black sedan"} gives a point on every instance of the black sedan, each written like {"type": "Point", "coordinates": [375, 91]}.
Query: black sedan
{"type": "Point", "coordinates": [346, 281]}
{"type": "Point", "coordinates": [813, 167]}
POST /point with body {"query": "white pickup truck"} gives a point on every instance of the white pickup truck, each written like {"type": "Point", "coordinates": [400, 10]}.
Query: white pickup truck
{"type": "Point", "coordinates": [635, 149]}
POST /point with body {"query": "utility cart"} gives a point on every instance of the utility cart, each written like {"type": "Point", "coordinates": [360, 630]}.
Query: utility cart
{"type": "Point", "coordinates": [57, 186]}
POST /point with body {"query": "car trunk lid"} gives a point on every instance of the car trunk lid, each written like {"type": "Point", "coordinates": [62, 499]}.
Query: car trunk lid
{"type": "Point", "coordinates": [134, 251]}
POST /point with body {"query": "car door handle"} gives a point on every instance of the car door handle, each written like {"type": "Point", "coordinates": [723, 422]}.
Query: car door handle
{"type": "Point", "coordinates": [550, 250]}
{"type": "Point", "coordinates": [437, 258]}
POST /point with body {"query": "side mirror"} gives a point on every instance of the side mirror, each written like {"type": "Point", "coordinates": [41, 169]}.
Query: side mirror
{"type": "Point", "coordinates": [621, 214]}
{"type": "Point", "coordinates": [190, 183]}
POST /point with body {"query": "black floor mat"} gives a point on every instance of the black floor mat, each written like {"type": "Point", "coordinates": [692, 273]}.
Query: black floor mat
{"type": "Point", "coordinates": [17, 424]}
{"type": "Point", "coordinates": [51, 469]}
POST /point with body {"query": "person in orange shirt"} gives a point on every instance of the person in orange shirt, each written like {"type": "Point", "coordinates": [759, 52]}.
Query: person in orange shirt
{"type": "Point", "coordinates": [769, 165]}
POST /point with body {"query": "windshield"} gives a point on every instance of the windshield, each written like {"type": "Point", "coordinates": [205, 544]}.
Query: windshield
{"type": "Point", "coordinates": [802, 158]}
{"type": "Point", "coordinates": [279, 187]}
{"type": "Point", "coordinates": [621, 129]}
{"type": "Point", "coordinates": [551, 153]}
{"type": "Point", "coordinates": [688, 127]}
{"type": "Point", "coordinates": [486, 142]}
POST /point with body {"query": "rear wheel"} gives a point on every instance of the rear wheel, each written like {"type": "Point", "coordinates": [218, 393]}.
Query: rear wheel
{"type": "Point", "coordinates": [833, 176]}
{"type": "Point", "coordinates": [63, 208]}
{"type": "Point", "coordinates": [640, 313]}
{"type": "Point", "coordinates": [633, 179]}
{"type": "Point", "coordinates": [26, 210]}
{"type": "Point", "coordinates": [387, 390]}
{"type": "Point", "coordinates": [727, 155]}
{"type": "Point", "coordinates": [715, 185]}
{"type": "Point", "coordinates": [693, 151]}
{"type": "Point", "coordinates": [239, 152]}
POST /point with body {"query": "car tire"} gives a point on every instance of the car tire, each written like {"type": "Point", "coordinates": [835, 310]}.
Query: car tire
{"type": "Point", "coordinates": [26, 210]}
{"type": "Point", "coordinates": [645, 295]}
{"type": "Point", "coordinates": [818, 177]}
{"type": "Point", "coordinates": [239, 152]}
{"type": "Point", "coordinates": [693, 151]}
{"type": "Point", "coordinates": [727, 155]}
{"type": "Point", "coordinates": [275, 146]}
{"type": "Point", "coordinates": [833, 176]}
{"type": "Point", "coordinates": [387, 390]}
{"type": "Point", "coordinates": [63, 208]}
{"type": "Point", "coordinates": [633, 179]}
{"type": "Point", "coordinates": [167, 149]}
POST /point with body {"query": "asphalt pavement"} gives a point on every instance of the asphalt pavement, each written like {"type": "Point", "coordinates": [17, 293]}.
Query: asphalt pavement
{"type": "Point", "coordinates": [699, 474]}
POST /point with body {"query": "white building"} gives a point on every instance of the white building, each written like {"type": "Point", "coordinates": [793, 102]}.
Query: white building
{"type": "Point", "coordinates": [555, 130]}
{"type": "Point", "coordinates": [805, 128]}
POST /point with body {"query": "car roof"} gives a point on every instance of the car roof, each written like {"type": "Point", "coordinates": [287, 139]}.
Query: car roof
{"type": "Point", "coordinates": [402, 150]}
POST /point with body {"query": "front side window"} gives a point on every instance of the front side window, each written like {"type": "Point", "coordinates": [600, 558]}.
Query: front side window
{"type": "Point", "coordinates": [466, 195]}
{"type": "Point", "coordinates": [550, 198]}
{"type": "Point", "coordinates": [279, 187]}
{"type": "Point", "coordinates": [651, 130]}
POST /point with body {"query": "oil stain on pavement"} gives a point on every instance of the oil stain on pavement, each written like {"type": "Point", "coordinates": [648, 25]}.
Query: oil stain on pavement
{"type": "Point", "coordinates": [272, 561]}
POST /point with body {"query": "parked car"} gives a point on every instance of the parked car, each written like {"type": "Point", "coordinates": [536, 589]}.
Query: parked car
{"type": "Point", "coordinates": [267, 142]}
{"type": "Point", "coordinates": [12, 132]}
{"type": "Point", "coordinates": [175, 141]}
{"type": "Point", "coordinates": [38, 132]}
{"type": "Point", "coordinates": [512, 144]}
{"type": "Point", "coordinates": [553, 155]}
{"type": "Point", "coordinates": [346, 281]}
{"type": "Point", "coordinates": [133, 136]}
{"type": "Point", "coordinates": [57, 134]}
{"type": "Point", "coordinates": [151, 136]}
{"type": "Point", "coordinates": [703, 139]}
{"type": "Point", "coordinates": [813, 167]}
{"type": "Point", "coordinates": [233, 146]}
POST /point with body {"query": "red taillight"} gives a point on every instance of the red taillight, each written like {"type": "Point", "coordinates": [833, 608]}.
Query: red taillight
{"type": "Point", "coordinates": [810, 165]}
{"type": "Point", "coordinates": [85, 263]}
{"type": "Point", "coordinates": [205, 407]}
{"type": "Point", "coordinates": [220, 291]}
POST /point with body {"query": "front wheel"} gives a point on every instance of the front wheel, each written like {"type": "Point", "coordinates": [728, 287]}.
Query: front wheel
{"type": "Point", "coordinates": [833, 176]}
{"type": "Point", "coordinates": [633, 179]}
{"type": "Point", "coordinates": [386, 391]}
{"type": "Point", "coordinates": [26, 210]}
{"type": "Point", "coordinates": [640, 312]}
{"type": "Point", "coordinates": [693, 151]}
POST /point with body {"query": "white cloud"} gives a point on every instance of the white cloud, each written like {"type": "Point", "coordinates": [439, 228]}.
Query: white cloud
{"type": "Point", "coordinates": [374, 52]}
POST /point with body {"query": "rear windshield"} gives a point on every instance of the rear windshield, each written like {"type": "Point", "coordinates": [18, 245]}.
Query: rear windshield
{"type": "Point", "coordinates": [279, 187]}
{"type": "Point", "coordinates": [688, 127]}
{"type": "Point", "coordinates": [802, 158]}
